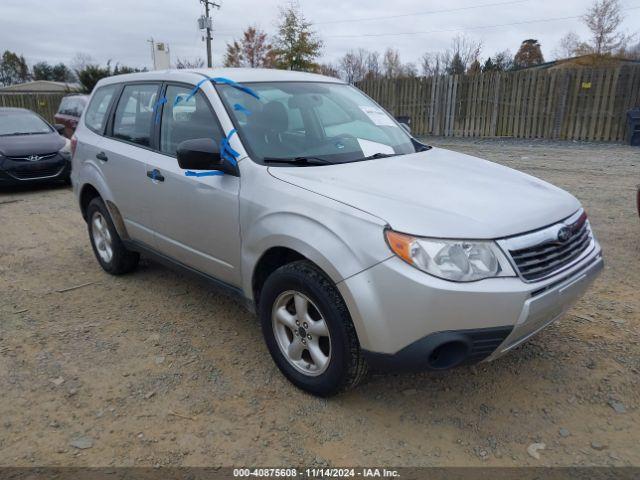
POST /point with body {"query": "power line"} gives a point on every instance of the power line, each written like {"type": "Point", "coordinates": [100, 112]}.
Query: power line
{"type": "Point", "coordinates": [405, 15]}
{"type": "Point", "coordinates": [526, 22]}
{"type": "Point", "coordinates": [432, 12]}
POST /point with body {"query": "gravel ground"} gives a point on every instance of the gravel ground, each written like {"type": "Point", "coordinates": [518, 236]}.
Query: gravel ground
{"type": "Point", "coordinates": [157, 369]}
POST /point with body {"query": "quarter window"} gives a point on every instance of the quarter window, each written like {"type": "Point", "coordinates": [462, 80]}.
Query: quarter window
{"type": "Point", "coordinates": [95, 117]}
{"type": "Point", "coordinates": [186, 119]}
{"type": "Point", "coordinates": [134, 114]}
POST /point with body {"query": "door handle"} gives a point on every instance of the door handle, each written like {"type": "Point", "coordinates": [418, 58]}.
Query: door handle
{"type": "Point", "coordinates": [155, 175]}
{"type": "Point", "coordinates": [102, 156]}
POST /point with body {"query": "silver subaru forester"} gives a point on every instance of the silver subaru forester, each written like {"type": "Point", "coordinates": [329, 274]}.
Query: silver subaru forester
{"type": "Point", "coordinates": [357, 245]}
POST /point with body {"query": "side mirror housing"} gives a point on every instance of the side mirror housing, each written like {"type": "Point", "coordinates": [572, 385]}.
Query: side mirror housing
{"type": "Point", "coordinates": [203, 154]}
{"type": "Point", "coordinates": [60, 128]}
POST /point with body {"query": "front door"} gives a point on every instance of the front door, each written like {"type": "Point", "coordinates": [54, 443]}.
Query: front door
{"type": "Point", "coordinates": [196, 220]}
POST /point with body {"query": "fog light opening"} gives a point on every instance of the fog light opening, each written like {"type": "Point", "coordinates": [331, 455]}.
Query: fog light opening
{"type": "Point", "coordinates": [448, 355]}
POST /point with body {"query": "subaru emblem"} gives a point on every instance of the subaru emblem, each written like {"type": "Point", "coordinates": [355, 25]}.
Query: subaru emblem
{"type": "Point", "coordinates": [564, 234]}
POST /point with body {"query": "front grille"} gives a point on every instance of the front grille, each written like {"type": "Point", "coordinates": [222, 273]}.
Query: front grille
{"type": "Point", "coordinates": [44, 172]}
{"type": "Point", "coordinates": [27, 158]}
{"type": "Point", "coordinates": [544, 259]}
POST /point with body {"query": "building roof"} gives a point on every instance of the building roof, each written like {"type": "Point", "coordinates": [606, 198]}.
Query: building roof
{"type": "Point", "coordinates": [44, 86]}
{"type": "Point", "coordinates": [584, 61]}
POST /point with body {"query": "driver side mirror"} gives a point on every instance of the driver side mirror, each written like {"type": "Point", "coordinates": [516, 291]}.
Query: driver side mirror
{"type": "Point", "coordinates": [204, 154]}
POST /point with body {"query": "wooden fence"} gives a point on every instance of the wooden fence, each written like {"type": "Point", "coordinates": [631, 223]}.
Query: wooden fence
{"type": "Point", "coordinates": [45, 104]}
{"type": "Point", "coordinates": [570, 104]}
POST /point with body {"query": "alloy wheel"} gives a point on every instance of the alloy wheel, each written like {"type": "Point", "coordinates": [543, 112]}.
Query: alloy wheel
{"type": "Point", "coordinates": [301, 333]}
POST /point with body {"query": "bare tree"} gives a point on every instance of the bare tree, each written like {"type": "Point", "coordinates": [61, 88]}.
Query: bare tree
{"type": "Point", "coordinates": [186, 63]}
{"type": "Point", "coordinates": [431, 64]}
{"type": "Point", "coordinates": [603, 20]}
{"type": "Point", "coordinates": [391, 63]}
{"type": "Point", "coordinates": [409, 70]}
{"type": "Point", "coordinates": [80, 61]}
{"type": "Point", "coordinates": [468, 50]}
{"type": "Point", "coordinates": [353, 65]}
{"type": "Point", "coordinates": [372, 64]}
{"type": "Point", "coordinates": [569, 45]}
{"type": "Point", "coordinates": [632, 52]}
{"type": "Point", "coordinates": [329, 70]}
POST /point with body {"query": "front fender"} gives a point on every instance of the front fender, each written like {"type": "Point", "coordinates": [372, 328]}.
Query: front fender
{"type": "Point", "coordinates": [341, 250]}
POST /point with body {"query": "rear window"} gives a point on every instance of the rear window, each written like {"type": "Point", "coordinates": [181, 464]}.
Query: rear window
{"type": "Point", "coordinates": [71, 106]}
{"type": "Point", "coordinates": [96, 115]}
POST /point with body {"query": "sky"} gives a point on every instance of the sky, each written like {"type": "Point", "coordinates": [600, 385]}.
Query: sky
{"type": "Point", "coordinates": [55, 30]}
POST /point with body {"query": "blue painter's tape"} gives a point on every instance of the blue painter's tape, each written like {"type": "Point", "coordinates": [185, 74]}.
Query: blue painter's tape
{"type": "Point", "coordinates": [238, 86]}
{"type": "Point", "coordinates": [226, 151]}
{"type": "Point", "coordinates": [240, 108]}
{"type": "Point", "coordinates": [213, 173]}
{"type": "Point", "coordinates": [156, 108]}
{"type": "Point", "coordinates": [217, 80]}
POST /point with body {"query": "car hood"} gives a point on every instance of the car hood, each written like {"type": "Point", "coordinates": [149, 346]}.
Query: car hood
{"type": "Point", "coordinates": [39, 144]}
{"type": "Point", "coordinates": [439, 193]}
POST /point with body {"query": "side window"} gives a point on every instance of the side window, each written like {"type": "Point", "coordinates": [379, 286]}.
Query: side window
{"type": "Point", "coordinates": [134, 114]}
{"type": "Point", "coordinates": [95, 117]}
{"type": "Point", "coordinates": [186, 120]}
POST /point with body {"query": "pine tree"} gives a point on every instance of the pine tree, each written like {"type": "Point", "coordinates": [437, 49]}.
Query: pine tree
{"type": "Point", "coordinates": [297, 46]}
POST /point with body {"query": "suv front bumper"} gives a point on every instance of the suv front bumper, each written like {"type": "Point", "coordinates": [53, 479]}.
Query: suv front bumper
{"type": "Point", "coordinates": [403, 315]}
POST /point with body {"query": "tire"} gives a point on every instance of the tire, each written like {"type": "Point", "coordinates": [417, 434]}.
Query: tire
{"type": "Point", "coordinates": [302, 282]}
{"type": "Point", "coordinates": [116, 259]}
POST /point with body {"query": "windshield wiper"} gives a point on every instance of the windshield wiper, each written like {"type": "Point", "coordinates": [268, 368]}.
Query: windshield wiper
{"type": "Point", "coordinates": [299, 161]}
{"type": "Point", "coordinates": [380, 155]}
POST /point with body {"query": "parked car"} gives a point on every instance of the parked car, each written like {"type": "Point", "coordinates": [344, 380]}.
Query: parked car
{"type": "Point", "coordinates": [31, 150]}
{"type": "Point", "coordinates": [70, 111]}
{"type": "Point", "coordinates": [357, 245]}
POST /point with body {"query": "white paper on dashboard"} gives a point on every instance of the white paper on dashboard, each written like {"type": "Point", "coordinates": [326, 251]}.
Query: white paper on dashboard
{"type": "Point", "coordinates": [371, 148]}
{"type": "Point", "coordinates": [378, 116]}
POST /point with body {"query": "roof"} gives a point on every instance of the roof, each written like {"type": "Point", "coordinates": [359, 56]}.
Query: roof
{"type": "Point", "coordinates": [241, 75]}
{"type": "Point", "coordinates": [45, 86]}
{"type": "Point", "coordinates": [587, 61]}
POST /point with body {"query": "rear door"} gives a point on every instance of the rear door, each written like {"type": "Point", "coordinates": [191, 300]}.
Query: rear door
{"type": "Point", "coordinates": [196, 219]}
{"type": "Point", "coordinates": [123, 156]}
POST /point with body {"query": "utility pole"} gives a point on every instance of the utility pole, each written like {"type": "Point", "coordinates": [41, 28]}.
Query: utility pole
{"type": "Point", "coordinates": [208, 24]}
{"type": "Point", "coordinates": [153, 51]}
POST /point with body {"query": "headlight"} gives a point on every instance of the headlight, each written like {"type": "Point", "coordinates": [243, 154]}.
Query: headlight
{"type": "Point", "coordinates": [66, 150]}
{"type": "Point", "coordinates": [455, 260]}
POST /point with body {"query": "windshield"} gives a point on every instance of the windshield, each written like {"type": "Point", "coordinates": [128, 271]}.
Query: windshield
{"type": "Point", "coordinates": [22, 123]}
{"type": "Point", "coordinates": [324, 122]}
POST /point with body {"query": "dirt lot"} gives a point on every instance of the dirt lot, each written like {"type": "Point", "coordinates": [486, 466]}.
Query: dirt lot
{"type": "Point", "coordinates": [156, 369]}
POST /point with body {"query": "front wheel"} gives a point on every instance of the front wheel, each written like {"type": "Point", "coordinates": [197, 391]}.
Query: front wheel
{"type": "Point", "coordinates": [309, 331]}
